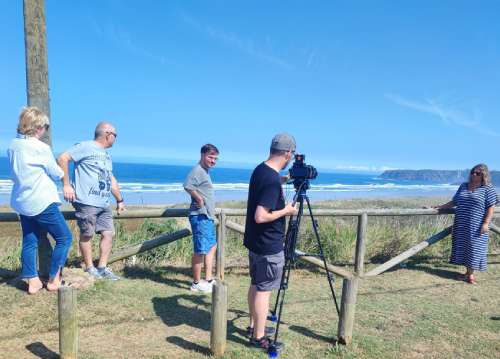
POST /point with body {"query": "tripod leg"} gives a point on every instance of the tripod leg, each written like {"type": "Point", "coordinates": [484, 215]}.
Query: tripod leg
{"type": "Point", "coordinates": [281, 292]}
{"type": "Point", "coordinates": [328, 273]}
{"type": "Point", "coordinates": [290, 244]}
{"type": "Point", "coordinates": [290, 234]}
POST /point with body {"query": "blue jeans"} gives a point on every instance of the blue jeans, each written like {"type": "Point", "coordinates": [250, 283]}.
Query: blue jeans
{"type": "Point", "coordinates": [36, 227]}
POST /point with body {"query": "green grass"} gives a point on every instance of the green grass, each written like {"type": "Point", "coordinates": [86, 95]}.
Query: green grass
{"type": "Point", "coordinates": [417, 312]}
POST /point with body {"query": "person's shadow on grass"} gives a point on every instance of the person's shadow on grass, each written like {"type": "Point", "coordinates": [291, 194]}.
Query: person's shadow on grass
{"type": "Point", "coordinates": [173, 313]}
{"type": "Point", "coordinates": [159, 275]}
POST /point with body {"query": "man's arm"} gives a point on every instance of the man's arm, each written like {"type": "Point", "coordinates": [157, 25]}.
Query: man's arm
{"type": "Point", "coordinates": [197, 197]}
{"type": "Point", "coordinates": [265, 215]}
{"type": "Point", "coordinates": [285, 179]}
{"type": "Point", "coordinates": [115, 190]}
{"type": "Point", "coordinates": [68, 190]}
{"type": "Point", "coordinates": [51, 168]}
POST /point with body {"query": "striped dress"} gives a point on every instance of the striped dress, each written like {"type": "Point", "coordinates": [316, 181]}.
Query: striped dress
{"type": "Point", "coordinates": [469, 246]}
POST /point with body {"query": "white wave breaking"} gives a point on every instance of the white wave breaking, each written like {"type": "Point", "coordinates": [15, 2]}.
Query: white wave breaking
{"type": "Point", "coordinates": [6, 187]}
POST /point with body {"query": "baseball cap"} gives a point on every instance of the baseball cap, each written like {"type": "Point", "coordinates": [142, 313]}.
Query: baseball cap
{"type": "Point", "coordinates": [283, 142]}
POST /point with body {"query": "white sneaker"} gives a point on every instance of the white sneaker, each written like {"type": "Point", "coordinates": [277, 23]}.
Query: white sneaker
{"type": "Point", "coordinates": [202, 286]}
{"type": "Point", "coordinates": [209, 284]}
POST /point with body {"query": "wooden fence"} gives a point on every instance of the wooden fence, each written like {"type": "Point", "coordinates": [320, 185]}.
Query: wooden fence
{"type": "Point", "coordinates": [351, 279]}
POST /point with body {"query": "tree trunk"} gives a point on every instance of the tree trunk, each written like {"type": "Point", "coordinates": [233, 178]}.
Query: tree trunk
{"type": "Point", "coordinates": [37, 88]}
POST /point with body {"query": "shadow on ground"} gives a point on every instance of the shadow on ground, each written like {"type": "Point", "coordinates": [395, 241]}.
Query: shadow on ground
{"type": "Point", "coordinates": [194, 310]}
{"type": "Point", "coordinates": [440, 272]}
{"type": "Point", "coordinates": [187, 345]}
{"type": "Point", "coordinates": [159, 275]}
{"type": "Point", "coordinates": [41, 351]}
{"type": "Point", "coordinates": [310, 334]}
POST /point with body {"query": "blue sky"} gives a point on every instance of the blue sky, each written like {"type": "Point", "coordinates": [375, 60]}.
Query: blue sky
{"type": "Point", "coordinates": [360, 84]}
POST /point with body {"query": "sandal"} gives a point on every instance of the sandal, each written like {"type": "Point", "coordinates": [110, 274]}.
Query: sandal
{"type": "Point", "coordinates": [266, 343]}
{"type": "Point", "coordinates": [267, 331]}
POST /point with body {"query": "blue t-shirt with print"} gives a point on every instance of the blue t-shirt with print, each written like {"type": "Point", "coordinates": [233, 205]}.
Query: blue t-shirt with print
{"type": "Point", "coordinates": [92, 176]}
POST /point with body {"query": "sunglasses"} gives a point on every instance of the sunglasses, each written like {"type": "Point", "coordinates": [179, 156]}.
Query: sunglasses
{"type": "Point", "coordinates": [476, 173]}
{"type": "Point", "coordinates": [47, 126]}
{"type": "Point", "coordinates": [112, 133]}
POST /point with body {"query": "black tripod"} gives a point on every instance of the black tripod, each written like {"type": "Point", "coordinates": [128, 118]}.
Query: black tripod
{"type": "Point", "coordinates": [291, 256]}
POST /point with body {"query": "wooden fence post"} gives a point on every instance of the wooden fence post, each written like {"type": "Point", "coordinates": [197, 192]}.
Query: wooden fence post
{"type": "Point", "coordinates": [347, 309]}
{"type": "Point", "coordinates": [218, 330]}
{"type": "Point", "coordinates": [221, 241]}
{"type": "Point", "coordinates": [350, 285]}
{"type": "Point", "coordinates": [68, 323]}
{"type": "Point", "coordinates": [359, 263]}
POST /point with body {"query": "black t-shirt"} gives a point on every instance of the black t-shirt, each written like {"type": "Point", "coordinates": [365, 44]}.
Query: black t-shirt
{"type": "Point", "coordinates": [264, 190]}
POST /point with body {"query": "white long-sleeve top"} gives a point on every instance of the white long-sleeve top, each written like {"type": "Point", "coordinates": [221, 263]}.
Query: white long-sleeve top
{"type": "Point", "coordinates": [33, 171]}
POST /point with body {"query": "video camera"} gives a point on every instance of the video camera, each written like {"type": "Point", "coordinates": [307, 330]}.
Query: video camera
{"type": "Point", "coordinates": [301, 173]}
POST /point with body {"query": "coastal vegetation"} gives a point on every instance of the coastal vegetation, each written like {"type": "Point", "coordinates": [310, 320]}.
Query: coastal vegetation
{"type": "Point", "coordinates": [387, 236]}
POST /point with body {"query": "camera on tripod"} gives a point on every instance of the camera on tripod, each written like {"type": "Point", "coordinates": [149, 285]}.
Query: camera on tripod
{"type": "Point", "coordinates": [301, 173]}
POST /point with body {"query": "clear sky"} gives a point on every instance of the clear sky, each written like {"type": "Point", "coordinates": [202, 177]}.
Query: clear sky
{"type": "Point", "coordinates": [360, 84]}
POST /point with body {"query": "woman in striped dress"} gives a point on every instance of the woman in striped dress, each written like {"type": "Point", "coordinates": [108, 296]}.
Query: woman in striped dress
{"type": "Point", "coordinates": [475, 203]}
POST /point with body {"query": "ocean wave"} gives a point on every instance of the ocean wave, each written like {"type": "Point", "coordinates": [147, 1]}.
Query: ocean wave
{"type": "Point", "coordinates": [335, 187]}
{"type": "Point", "coordinates": [6, 187]}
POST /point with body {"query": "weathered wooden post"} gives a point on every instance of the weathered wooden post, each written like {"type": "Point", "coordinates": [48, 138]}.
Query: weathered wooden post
{"type": "Point", "coordinates": [221, 240]}
{"type": "Point", "coordinates": [37, 88]}
{"type": "Point", "coordinates": [347, 309]}
{"type": "Point", "coordinates": [359, 263]}
{"type": "Point", "coordinates": [350, 286]}
{"type": "Point", "coordinates": [218, 330]}
{"type": "Point", "coordinates": [37, 71]}
{"type": "Point", "coordinates": [68, 323]}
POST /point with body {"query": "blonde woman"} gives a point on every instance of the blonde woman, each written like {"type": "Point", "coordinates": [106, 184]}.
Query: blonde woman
{"type": "Point", "coordinates": [34, 196]}
{"type": "Point", "coordinates": [475, 202]}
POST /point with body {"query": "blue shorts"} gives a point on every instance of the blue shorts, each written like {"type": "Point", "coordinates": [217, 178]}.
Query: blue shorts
{"type": "Point", "coordinates": [203, 229]}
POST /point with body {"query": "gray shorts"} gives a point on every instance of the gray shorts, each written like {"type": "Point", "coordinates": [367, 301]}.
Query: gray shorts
{"type": "Point", "coordinates": [266, 270]}
{"type": "Point", "coordinates": [92, 219]}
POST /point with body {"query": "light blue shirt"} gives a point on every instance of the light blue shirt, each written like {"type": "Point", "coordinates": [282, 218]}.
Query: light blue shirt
{"type": "Point", "coordinates": [93, 172]}
{"type": "Point", "coordinates": [33, 171]}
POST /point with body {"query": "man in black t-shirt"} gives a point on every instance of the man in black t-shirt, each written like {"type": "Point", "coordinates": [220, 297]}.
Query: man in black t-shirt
{"type": "Point", "coordinates": [265, 233]}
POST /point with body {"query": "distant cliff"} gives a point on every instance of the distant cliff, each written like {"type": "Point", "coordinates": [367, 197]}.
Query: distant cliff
{"type": "Point", "coordinates": [437, 176]}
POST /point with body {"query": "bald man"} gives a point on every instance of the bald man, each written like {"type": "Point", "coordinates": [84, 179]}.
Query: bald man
{"type": "Point", "coordinates": [90, 194]}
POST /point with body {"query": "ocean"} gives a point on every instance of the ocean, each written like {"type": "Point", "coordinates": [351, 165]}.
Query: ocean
{"type": "Point", "coordinates": [162, 184]}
